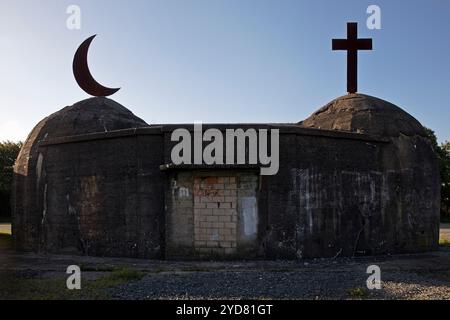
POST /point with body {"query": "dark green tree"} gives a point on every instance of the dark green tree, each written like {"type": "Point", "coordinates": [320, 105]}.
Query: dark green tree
{"type": "Point", "coordinates": [8, 155]}
{"type": "Point", "coordinates": [443, 154]}
{"type": "Point", "coordinates": [445, 178]}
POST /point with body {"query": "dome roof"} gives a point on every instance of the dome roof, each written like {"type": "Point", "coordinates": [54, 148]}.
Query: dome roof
{"type": "Point", "coordinates": [364, 114]}
{"type": "Point", "coordinates": [89, 116]}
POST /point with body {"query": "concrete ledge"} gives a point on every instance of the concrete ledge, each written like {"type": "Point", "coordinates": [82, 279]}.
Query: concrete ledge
{"type": "Point", "coordinates": [285, 128]}
{"type": "Point", "coordinates": [162, 129]}
{"type": "Point", "coordinates": [153, 130]}
{"type": "Point", "coordinates": [187, 167]}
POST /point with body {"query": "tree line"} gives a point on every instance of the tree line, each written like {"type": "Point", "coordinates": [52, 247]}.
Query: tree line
{"type": "Point", "coordinates": [443, 154]}
{"type": "Point", "coordinates": [8, 155]}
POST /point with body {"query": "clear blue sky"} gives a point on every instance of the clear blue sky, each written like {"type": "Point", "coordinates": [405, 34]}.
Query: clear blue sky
{"type": "Point", "coordinates": [222, 60]}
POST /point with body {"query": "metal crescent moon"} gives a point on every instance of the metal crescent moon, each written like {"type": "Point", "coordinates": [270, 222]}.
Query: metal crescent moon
{"type": "Point", "coordinates": [84, 77]}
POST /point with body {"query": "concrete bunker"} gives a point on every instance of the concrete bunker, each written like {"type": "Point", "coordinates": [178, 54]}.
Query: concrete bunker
{"type": "Point", "coordinates": [357, 177]}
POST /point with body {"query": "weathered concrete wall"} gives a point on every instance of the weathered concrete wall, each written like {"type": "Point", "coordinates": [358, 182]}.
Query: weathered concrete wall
{"type": "Point", "coordinates": [103, 198]}
{"type": "Point", "coordinates": [179, 197]}
{"type": "Point", "coordinates": [397, 196]}
{"type": "Point", "coordinates": [334, 194]}
{"type": "Point", "coordinates": [25, 203]}
{"type": "Point", "coordinates": [342, 197]}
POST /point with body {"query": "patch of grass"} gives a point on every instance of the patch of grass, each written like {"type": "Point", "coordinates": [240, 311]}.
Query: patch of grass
{"type": "Point", "coordinates": [119, 276]}
{"type": "Point", "coordinates": [160, 270]}
{"type": "Point", "coordinates": [90, 268]}
{"type": "Point", "coordinates": [55, 289]}
{"type": "Point", "coordinates": [287, 269]}
{"type": "Point", "coordinates": [192, 268]}
{"type": "Point", "coordinates": [18, 288]}
{"type": "Point", "coordinates": [195, 269]}
{"type": "Point", "coordinates": [357, 292]}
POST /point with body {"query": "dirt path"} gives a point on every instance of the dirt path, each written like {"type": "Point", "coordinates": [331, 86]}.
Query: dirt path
{"type": "Point", "coordinates": [445, 231]}
{"type": "Point", "coordinates": [5, 228]}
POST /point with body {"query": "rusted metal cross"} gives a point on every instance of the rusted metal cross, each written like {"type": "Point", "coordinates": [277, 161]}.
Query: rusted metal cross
{"type": "Point", "coordinates": [352, 44]}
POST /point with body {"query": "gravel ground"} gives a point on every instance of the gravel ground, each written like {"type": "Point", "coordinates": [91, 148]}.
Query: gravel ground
{"type": "Point", "coordinates": [320, 280]}
{"type": "Point", "coordinates": [415, 276]}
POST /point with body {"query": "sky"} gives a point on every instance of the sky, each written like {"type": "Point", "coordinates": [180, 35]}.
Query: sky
{"type": "Point", "coordinates": [222, 61]}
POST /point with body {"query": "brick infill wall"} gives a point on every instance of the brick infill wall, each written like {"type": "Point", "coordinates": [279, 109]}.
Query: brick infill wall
{"type": "Point", "coordinates": [215, 215]}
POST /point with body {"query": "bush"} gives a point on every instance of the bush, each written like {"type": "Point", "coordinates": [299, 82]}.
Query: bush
{"type": "Point", "coordinates": [443, 154]}
{"type": "Point", "coordinates": [8, 155]}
